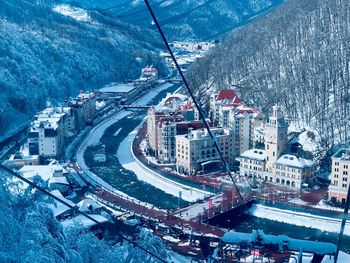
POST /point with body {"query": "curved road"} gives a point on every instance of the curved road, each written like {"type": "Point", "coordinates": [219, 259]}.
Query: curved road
{"type": "Point", "coordinates": [96, 133]}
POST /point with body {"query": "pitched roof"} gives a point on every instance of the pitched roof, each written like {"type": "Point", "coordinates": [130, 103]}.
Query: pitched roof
{"type": "Point", "coordinates": [230, 94]}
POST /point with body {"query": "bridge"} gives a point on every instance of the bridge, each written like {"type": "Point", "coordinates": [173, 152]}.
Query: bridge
{"type": "Point", "coordinates": [134, 107]}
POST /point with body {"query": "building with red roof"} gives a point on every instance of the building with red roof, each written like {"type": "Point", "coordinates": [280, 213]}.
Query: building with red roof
{"type": "Point", "coordinates": [225, 98]}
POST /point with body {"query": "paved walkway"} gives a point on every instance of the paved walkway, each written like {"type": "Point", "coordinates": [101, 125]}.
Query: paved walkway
{"type": "Point", "coordinates": [162, 216]}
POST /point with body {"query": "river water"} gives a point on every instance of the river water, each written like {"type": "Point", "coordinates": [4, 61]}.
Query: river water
{"type": "Point", "coordinates": [127, 182]}
{"type": "Point", "coordinates": [243, 222]}
{"type": "Point", "coordinates": [124, 180]}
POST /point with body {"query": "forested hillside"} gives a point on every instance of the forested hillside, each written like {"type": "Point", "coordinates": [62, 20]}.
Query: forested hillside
{"type": "Point", "coordinates": [189, 19]}
{"type": "Point", "coordinates": [297, 56]}
{"type": "Point", "coordinates": [46, 56]}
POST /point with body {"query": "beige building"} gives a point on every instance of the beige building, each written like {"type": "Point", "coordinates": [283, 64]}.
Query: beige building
{"type": "Point", "coordinates": [273, 164]}
{"type": "Point", "coordinates": [196, 151]}
{"type": "Point", "coordinates": [276, 139]}
{"type": "Point", "coordinates": [167, 130]}
{"type": "Point", "coordinates": [155, 117]}
{"type": "Point", "coordinates": [340, 176]}
{"type": "Point", "coordinates": [243, 120]}
{"type": "Point", "coordinates": [253, 163]}
{"type": "Point", "coordinates": [294, 171]}
{"type": "Point", "coordinates": [225, 98]}
{"type": "Point", "coordinates": [170, 109]}
{"type": "Point", "coordinates": [227, 111]}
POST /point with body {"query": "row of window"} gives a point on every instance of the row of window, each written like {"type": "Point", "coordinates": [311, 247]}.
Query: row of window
{"type": "Point", "coordinates": [345, 166]}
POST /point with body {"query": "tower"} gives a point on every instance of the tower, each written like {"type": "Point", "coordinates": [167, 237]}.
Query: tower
{"type": "Point", "coordinates": [276, 139]}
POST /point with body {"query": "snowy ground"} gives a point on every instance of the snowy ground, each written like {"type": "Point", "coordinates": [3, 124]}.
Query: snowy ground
{"type": "Point", "coordinates": [323, 205]}
{"type": "Point", "coordinates": [298, 218]}
{"type": "Point", "coordinates": [129, 162]}
{"type": "Point", "coordinates": [191, 212]}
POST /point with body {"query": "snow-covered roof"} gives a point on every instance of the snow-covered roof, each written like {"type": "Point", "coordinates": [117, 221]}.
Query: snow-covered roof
{"type": "Point", "coordinates": [118, 88]}
{"type": "Point", "coordinates": [343, 154]}
{"type": "Point", "coordinates": [46, 172]}
{"type": "Point", "coordinates": [292, 160]}
{"type": "Point", "coordinates": [85, 222]}
{"type": "Point", "coordinates": [57, 207]}
{"type": "Point", "coordinates": [230, 94]}
{"type": "Point", "coordinates": [255, 154]}
{"type": "Point", "coordinates": [88, 204]}
{"type": "Point", "coordinates": [282, 241]}
{"type": "Point", "coordinates": [307, 142]}
{"type": "Point", "coordinates": [49, 118]}
{"type": "Point", "coordinates": [174, 98]}
{"type": "Point", "coordinates": [201, 134]}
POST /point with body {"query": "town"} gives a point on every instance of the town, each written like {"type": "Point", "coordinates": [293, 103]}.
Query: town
{"type": "Point", "coordinates": [172, 144]}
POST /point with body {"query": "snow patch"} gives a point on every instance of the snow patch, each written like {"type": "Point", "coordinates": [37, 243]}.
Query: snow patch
{"type": "Point", "coordinates": [76, 13]}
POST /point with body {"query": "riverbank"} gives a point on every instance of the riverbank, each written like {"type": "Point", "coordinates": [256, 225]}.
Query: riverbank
{"type": "Point", "coordinates": [111, 175]}
{"type": "Point", "coordinates": [130, 162]}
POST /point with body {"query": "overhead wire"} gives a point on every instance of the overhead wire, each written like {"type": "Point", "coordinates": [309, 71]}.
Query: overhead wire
{"type": "Point", "coordinates": [201, 114]}
{"type": "Point", "coordinates": [198, 107]}
{"type": "Point", "coordinates": [46, 192]}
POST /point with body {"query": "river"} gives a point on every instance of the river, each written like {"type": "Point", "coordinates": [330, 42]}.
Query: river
{"type": "Point", "coordinates": [127, 182]}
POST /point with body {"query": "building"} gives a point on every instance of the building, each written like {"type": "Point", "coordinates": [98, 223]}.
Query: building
{"type": "Point", "coordinates": [22, 157]}
{"type": "Point", "coordinates": [167, 131]}
{"type": "Point", "coordinates": [276, 137]}
{"type": "Point", "coordinates": [225, 98]}
{"type": "Point", "coordinates": [54, 174]}
{"type": "Point", "coordinates": [243, 120]}
{"type": "Point", "coordinates": [340, 175]}
{"type": "Point", "coordinates": [196, 151]}
{"type": "Point", "coordinates": [168, 110]}
{"type": "Point", "coordinates": [253, 163]}
{"type": "Point", "coordinates": [47, 133]}
{"type": "Point", "coordinates": [293, 171]}
{"type": "Point", "coordinates": [120, 92]}
{"type": "Point", "coordinates": [84, 108]}
{"type": "Point", "coordinates": [227, 111]}
{"type": "Point", "coordinates": [274, 164]}
{"type": "Point", "coordinates": [148, 78]}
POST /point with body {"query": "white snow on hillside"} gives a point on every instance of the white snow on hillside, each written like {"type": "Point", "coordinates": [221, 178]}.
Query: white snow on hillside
{"type": "Point", "coordinates": [307, 137]}
{"type": "Point", "coordinates": [78, 14]}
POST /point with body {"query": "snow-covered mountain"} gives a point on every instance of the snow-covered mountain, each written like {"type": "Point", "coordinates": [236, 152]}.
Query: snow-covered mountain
{"type": "Point", "coordinates": [297, 56]}
{"type": "Point", "coordinates": [49, 51]}
{"type": "Point", "coordinates": [201, 19]}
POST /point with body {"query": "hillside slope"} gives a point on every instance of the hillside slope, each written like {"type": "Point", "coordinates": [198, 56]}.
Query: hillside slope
{"type": "Point", "coordinates": [296, 56]}
{"type": "Point", "coordinates": [203, 19]}
{"type": "Point", "coordinates": [46, 56]}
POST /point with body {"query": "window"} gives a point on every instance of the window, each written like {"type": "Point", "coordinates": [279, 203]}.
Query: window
{"type": "Point", "coordinates": [345, 185]}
